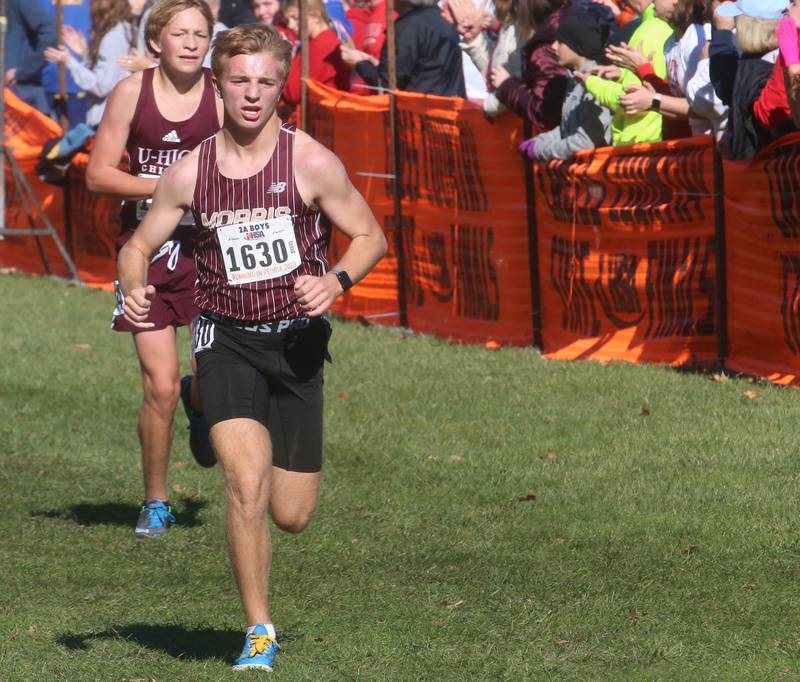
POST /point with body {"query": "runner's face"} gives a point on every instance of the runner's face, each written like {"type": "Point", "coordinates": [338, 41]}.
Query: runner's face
{"type": "Point", "coordinates": [184, 41]}
{"type": "Point", "coordinates": [250, 87]}
{"type": "Point", "coordinates": [265, 11]}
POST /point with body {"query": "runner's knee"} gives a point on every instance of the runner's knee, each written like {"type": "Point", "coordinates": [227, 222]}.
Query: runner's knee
{"type": "Point", "coordinates": [162, 392]}
{"type": "Point", "coordinates": [292, 521]}
{"type": "Point", "coordinates": [247, 498]}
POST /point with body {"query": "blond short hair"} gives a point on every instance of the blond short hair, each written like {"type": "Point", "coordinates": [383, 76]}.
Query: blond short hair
{"type": "Point", "coordinates": [250, 39]}
{"type": "Point", "coordinates": [163, 11]}
{"type": "Point", "coordinates": [756, 36]}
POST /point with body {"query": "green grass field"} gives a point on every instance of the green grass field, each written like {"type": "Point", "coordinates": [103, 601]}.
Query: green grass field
{"type": "Point", "coordinates": [484, 516]}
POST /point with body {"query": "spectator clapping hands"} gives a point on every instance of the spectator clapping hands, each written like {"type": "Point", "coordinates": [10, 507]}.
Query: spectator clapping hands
{"type": "Point", "coordinates": [627, 57]}
{"type": "Point", "coordinates": [468, 19]}
{"type": "Point", "coordinates": [57, 55]}
{"type": "Point", "coordinates": [74, 40]}
{"type": "Point", "coordinates": [637, 99]}
{"type": "Point", "coordinates": [609, 73]}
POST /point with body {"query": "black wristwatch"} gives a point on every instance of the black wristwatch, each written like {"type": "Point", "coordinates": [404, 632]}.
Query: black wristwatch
{"type": "Point", "coordinates": [656, 103]}
{"type": "Point", "coordinates": [343, 277]}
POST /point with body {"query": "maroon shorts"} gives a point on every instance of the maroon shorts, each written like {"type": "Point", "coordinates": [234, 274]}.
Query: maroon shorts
{"type": "Point", "coordinates": [172, 272]}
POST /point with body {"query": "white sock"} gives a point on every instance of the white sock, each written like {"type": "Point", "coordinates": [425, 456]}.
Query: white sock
{"type": "Point", "coordinates": [270, 629]}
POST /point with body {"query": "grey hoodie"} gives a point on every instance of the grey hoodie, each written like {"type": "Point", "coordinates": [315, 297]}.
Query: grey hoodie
{"type": "Point", "coordinates": [585, 124]}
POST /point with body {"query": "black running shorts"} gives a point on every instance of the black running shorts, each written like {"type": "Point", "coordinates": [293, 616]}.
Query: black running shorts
{"type": "Point", "coordinates": [270, 372]}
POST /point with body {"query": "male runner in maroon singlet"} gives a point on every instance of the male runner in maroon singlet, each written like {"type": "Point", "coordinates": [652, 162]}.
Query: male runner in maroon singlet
{"type": "Point", "coordinates": [179, 32]}
{"type": "Point", "coordinates": [258, 190]}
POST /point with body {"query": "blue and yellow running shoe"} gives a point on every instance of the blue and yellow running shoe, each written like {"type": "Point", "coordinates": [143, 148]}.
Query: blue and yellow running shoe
{"type": "Point", "coordinates": [199, 442]}
{"type": "Point", "coordinates": [155, 518]}
{"type": "Point", "coordinates": [260, 649]}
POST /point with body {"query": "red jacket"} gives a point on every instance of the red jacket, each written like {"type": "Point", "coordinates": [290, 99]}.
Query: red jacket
{"type": "Point", "coordinates": [324, 65]}
{"type": "Point", "coordinates": [375, 32]}
{"type": "Point", "coordinates": [772, 109]}
{"type": "Point", "coordinates": [359, 18]}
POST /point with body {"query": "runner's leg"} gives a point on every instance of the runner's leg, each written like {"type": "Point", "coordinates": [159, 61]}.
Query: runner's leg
{"type": "Point", "coordinates": [245, 452]}
{"type": "Point", "coordinates": [158, 359]}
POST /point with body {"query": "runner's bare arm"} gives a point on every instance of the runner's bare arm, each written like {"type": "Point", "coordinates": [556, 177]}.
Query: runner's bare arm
{"type": "Point", "coordinates": [103, 174]}
{"type": "Point", "coordinates": [172, 198]}
{"type": "Point", "coordinates": [322, 181]}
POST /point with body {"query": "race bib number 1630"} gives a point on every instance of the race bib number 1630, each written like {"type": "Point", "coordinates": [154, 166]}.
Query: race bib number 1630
{"type": "Point", "coordinates": [259, 250]}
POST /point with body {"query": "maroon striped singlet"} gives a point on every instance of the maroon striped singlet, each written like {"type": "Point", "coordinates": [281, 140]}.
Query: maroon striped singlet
{"type": "Point", "coordinates": [155, 143]}
{"type": "Point", "coordinates": [275, 230]}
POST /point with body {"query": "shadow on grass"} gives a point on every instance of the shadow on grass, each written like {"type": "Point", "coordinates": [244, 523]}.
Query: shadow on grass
{"type": "Point", "coordinates": [119, 514]}
{"type": "Point", "coordinates": [174, 640]}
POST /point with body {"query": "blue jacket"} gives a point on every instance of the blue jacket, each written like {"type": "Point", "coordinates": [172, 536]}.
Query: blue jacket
{"type": "Point", "coordinates": [76, 14]}
{"type": "Point", "coordinates": [31, 28]}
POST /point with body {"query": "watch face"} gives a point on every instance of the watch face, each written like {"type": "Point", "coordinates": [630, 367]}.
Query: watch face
{"type": "Point", "coordinates": [344, 279]}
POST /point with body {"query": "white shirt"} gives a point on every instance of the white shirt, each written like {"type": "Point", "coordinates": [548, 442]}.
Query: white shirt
{"type": "Point", "coordinates": [682, 60]}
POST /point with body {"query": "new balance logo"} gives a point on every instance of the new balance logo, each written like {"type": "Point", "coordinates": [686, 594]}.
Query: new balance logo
{"type": "Point", "coordinates": [276, 188]}
{"type": "Point", "coordinates": [171, 136]}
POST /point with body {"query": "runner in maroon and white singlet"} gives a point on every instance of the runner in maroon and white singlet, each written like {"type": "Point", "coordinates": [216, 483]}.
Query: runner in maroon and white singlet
{"type": "Point", "coordinates": [262, 194]}
{"type": "Point", "coordinates": [269, 194]}
{"type": "Point", "coordinates": [158, 116]}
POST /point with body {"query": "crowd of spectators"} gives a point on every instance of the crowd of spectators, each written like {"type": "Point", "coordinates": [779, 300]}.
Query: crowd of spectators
{"type": "Point", "coordinates": [580, 73]}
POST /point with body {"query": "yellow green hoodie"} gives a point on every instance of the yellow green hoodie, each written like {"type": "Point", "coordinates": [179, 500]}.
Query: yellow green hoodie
{"type": "Point", "coordinates": [649, 37]}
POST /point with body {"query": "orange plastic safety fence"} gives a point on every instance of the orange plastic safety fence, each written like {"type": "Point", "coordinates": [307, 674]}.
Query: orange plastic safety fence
{"type": "Point", "coordinates": [464, 227]}
{"type": "Point", "coordinates": [627, 259]}
{"type": "Point", "coordinates": [356, 129]}
{"type": "Point", "coordinates": [625, 237]}
{"type": "Point", "coordinates": [762, 240]}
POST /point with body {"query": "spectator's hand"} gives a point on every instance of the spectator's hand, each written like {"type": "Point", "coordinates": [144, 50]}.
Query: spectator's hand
{"type": "Point", "coordinates": [528, 147]}
{"type": "Point", "coordinates": [499, 76]}
{"type": "Point", "coordinates": [465, 14]}
{"type": "Point", "coordinates": [615, 10]}
{"type": "Point", "coordinates": [11, 78]}
{"type": "Point", "coordinates": [722, 23]}
{"type": "Point", "coordinates": [469, 31]}
{"type": "Point", "coordinates": [75, 41]}
{"type": "Point", "coordinates": [609, 73]}
{"type": "Point", "coordinates": [627, 57]}
{"type": "Point", "coordinates": [468, 19]}
{"type": "Point", "coordinates": [351, 56]}
{"type": "Point", "coordinates": [137, 304]}
{"type": "Point", "coordinates": [446, 12]}
{"type": "Point", "coordinates": [704, 51]}
{"type": "Point", "coordinates": [56, 55]}
{"type": "Point", "coordinates": [135, 61]}
{"type": "Point", "coordinates": [637, 99]}
{"type": "Point", "coordinates": [581, 76]}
